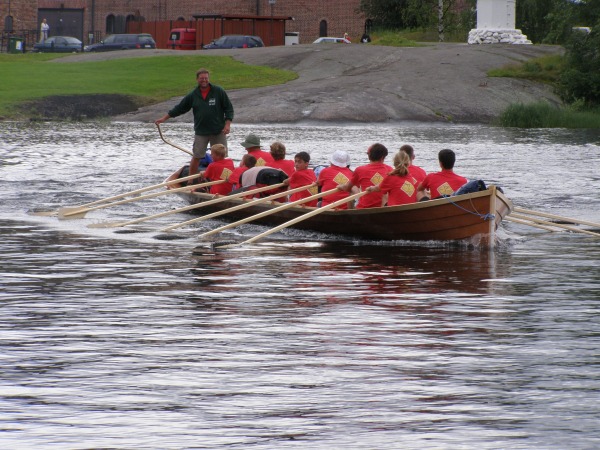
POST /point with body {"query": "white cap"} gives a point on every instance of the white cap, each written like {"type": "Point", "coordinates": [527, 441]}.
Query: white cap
{"type": "Point", "coordinates": [340, 158]}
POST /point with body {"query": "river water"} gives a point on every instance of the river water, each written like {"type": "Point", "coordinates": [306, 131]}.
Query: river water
{"type": "Point", "coordinates": [116, 339]}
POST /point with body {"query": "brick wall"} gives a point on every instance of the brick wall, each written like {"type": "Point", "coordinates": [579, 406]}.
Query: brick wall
{"type": "Point", "coordinates": [340, 15]}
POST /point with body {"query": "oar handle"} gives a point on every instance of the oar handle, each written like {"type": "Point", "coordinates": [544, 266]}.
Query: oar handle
{"type": "Point", "coordinates": [558, 225]}
{"type": "Point", "coordinates": [269, 212]}
{"type": "Point", "coordinates": [289, 223]}
{"type": "Point", "coordinates": [238, 207]}
{"type": "Point", "coordinates": [69, 212]}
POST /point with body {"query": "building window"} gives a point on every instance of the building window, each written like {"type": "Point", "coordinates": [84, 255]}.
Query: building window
{"type": "Point", "coordinates": [110, 24]}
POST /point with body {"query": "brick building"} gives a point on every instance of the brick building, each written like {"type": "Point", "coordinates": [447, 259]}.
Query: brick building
{"type": "Point", "coordinates": [94, 19]}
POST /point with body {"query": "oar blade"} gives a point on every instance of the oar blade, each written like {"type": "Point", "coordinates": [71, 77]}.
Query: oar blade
{"type": "Point", "coordinates": [69, 213]}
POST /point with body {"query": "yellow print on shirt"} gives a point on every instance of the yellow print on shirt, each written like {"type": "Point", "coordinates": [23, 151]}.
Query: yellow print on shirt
{"type": "Point", "coordinates": [408, 188]}
{"type": "Point", "coordinates": [313, 190]}
{"type": "Point", "coordinates": [225, 174]}
{"type": "Point", "coordinates": [260, 162]}
{"type": "Point", "coordinates": [445, 189]}
{"type": "Point", "coordinates": [376, 179]}
{"type": "Point", "coordinates": [340, 178]}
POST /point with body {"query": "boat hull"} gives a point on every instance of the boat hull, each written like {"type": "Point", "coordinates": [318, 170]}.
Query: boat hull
{"type": "Point", "coordinates": [474, 215]}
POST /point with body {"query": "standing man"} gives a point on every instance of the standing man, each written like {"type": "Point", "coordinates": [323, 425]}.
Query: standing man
{"type": "Point", "coordinates": [213, 114]}
{"type": "Point", "coordinates": [44, 28]}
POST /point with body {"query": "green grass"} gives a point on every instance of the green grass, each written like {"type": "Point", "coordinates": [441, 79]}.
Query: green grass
{"type": "Point", "coordinates": [545, 69]}
{"type": "Point", "coordinates": [30, 76]}
{"type": "Point", "coordinates": [392, 38]}
{"type": "Point", "coordinates": [544, 115]}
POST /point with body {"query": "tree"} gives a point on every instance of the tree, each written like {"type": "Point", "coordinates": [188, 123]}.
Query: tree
{"type": "Point", "coordinates": [445, 15]}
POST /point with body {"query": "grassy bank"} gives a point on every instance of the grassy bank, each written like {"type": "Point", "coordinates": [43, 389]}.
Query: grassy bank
{"type": "Point", "coordinates": [547, 70]}
{"type": "Point", "coordinates": [543, 115]}
{"type": "Point", "coordinates": [27, 77]}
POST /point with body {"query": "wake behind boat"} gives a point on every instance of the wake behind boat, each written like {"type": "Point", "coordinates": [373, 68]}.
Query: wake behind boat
{"type": "Point", "coordinates": [474, 216]}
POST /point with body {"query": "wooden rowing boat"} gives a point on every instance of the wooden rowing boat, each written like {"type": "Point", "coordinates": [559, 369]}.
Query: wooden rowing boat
{"type": "Point", "coordinates": [475, 216]}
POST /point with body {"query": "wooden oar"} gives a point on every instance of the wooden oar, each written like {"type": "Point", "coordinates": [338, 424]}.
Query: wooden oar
{"type": "Point", "coordinates": [183, 209]}
{"type": "Point", "coordinates": [289, 223]}
{"type": "Point", "coordinates": [235, 208]}
{"type": "Point", "coordinates": [552, 216]}
{"type": "Point", "coordinates": [531, 224]}
{"type": "Point", "coordinates": [79, 213]}
{"type": "Point", "coordinates": [115, 197]}
{"type": "Point", "coordinates": [269, 212]}
{"type": "Point", "coordinates": [558, 225]}
{"type": "Point", "coordinates": [170, 143]}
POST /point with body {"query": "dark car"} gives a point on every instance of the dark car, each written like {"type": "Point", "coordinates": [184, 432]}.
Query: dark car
{"type": "Point", "coordinates": [122, 42]}
{"type": "Point", "coordinates": [235, 41]}
{"type": "Point", "coordinates": [58, 44]}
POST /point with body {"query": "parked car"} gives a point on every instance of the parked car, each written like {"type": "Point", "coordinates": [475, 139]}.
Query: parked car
{"type": "Point", "coordinates": [122, 42]}
{"type": "Point", "coordinates": [182, 39]}
{"type": "Point", "coordinates": [331, 40]}
{"type": "Point", "coordinates": [58, 44]}
{"type": "Point", "coordinates": [235, 41]}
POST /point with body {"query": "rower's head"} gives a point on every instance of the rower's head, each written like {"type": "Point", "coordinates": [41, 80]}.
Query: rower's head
{"type": "Point", "coordinates": [377, 152]}
{"type": "Point", "coordinates": [218, 152]}
{"type": "Point", "coordinates": [447, 158]}
{"type": "Point", "coordinates": [252, 142]}
{"type": "Point", "coordinates": [248, 161]}
{"type": "Point", "coordinates": [277, 151]}
{"type": "Point", "coordinates": [301, 160]}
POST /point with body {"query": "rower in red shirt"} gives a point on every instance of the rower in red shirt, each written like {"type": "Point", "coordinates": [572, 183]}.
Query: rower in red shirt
{"type": "Point", "coordinates": [279, 161]}
{"type": "Point", "coordinates": [371, 174]}
{"type": "Point", "coordinates": [247, 162]}
{"type": "Point", "coordinates": [303, 176]}
{"type": "Point", "coordinates": [399, 184]}
{"type": "Point", "coordinates": [444, 183]}
{"type": "Point", "coordinates": [252, 145]}
{"type": "Point", "coordinates": [338, 173]}
{"type": "Point", "coordinates": [415, 171]}
{"type": "Point", "coordinates": [219, 169]}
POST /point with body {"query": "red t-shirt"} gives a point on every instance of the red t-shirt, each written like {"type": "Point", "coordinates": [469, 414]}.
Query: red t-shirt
{"type": "Point", "coordinates": [371, 174]}
{"type": "Point", "coordinates": [332, 177]}
{"type": "Point", "coordinates": [220, 170]}
{"type": "Point", "coordinates": [286, 165]}
{"type": "Point", "coordinates": [303, 178]}
{"type": "Point", "coordinates": [418, 173]}
{"type": "Point", "coordinates": [443, 183]}
{"type": "Point", "coordinates": [234, 178]}
{"type": "Point", "coordinates": [262, 158]}
{"type": "Point", "coordinates": [401, 190]}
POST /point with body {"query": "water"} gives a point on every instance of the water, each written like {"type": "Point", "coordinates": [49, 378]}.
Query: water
{"type": "Point", "coordinates": [122, 340]}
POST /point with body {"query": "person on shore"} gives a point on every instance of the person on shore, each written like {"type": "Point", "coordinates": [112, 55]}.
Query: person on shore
{"type": "Point", "coordinates": [252, 146]}
{"type": "Point", "coordinates": [413, 169]}
{"type": "Point", "coordinates": [247, 162]}
{"type": "Point", "coordinates": [399, 184]}
{"type": "Point", "coordinates": [44, 30]}
{"type": "Point", "coordinates": [279, 161]}
{"type": "Point", "coordinates": [213, 114]}
{"type": "Point", "coordinates": [303, 176]}
{"type": "Point", "coordinates": [220, 168]}
{"type": "Point", "coordinates": [369, 175]}
{"type": "Point", "coordinates": [443, 183]}
{"type": "Point", "coordinates": [338, 173]}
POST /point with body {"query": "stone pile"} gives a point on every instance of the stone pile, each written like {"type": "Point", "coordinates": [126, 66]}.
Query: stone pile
{"type": "Point", "coordinates": [489, 36]}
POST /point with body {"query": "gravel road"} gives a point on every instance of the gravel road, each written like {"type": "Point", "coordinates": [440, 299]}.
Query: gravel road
{"type": "Point", "coordinates": [368, 83]}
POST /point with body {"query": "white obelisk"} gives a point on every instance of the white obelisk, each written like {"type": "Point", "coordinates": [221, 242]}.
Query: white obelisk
{"type": "Point", "coordinates": [496, 24]}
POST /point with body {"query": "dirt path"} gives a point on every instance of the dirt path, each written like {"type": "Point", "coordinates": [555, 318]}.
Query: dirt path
{"type": "Point", "coordinates": [364, 83]}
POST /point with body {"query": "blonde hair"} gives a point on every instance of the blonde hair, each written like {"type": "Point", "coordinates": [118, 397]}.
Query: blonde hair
{"type": "Point", "coordinates": [219, 150]}
{"type": "Point", "coordinates": [277, 151]}
{"type": "Point", "coordinates": [401, 163]}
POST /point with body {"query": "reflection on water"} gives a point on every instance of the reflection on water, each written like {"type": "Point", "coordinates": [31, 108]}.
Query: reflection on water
{"type": "Point", "coordinates": [122, 340]}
